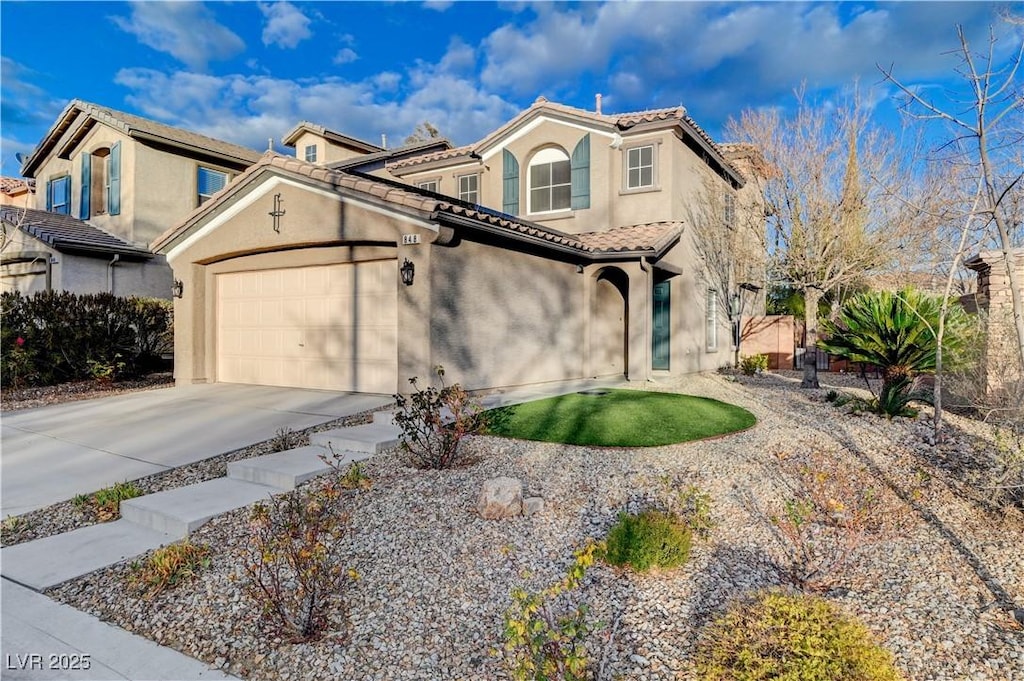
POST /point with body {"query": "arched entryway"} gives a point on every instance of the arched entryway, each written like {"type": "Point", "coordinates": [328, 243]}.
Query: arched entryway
{"type": "Point", "coordinates": [609, 337]}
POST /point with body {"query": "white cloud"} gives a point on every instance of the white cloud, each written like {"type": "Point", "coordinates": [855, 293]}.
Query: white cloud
{"type": "Point", "coordinates": [345, 55]}
{"type": "Point", "coordinates": [247, 109]}
{"type": "Point", "coordinates": [438, 5]}
{"type": "Point", "coordinates": [187, 31]}
{"type": "Point", "coordinates": [286, 26]}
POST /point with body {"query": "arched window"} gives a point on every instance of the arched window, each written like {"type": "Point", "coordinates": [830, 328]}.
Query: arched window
{"type": "Point", "coordinates": [550, 181]}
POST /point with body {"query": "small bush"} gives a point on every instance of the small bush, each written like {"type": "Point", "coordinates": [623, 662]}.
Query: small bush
{"type": "Point", "coordinates": [433, 422]}
{"type": "Point", "coordinates": [695, 508]}
{"type": "Point", "coordinates": [544, 638]}
{"type": "Point", "coordinates": [169, 566]}
{"type": "Point", "coordinates": [650, 539]}
{"type": "Point", "coordinates": [781, 636]}
{"type": "Point", "coordinates": [754, 364]}
{"type": "Point", "coordinates": [355, 478]}
{"type": "Point", "coordinates": [283, 440]}
{"type": "Point", "coordinates": [105, 505]}
{"type": "Point", "coordinates": [293, 560]}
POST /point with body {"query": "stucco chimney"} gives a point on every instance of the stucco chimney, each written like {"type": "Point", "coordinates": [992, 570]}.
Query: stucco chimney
{"type": "Point", "coordinates": [383, 141]}
{"type": "Point", "coordinates": [597, 97]}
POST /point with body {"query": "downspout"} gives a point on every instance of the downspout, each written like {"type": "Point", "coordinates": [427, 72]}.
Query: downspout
{"type": "Point", "coordinates": [110, 272]}
{"type": "Point", "coordinates": [48, 261]}
{"type": "Point", "coordinates": [645, 266]}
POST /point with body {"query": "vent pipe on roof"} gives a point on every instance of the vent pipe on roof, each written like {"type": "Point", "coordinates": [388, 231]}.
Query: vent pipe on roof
{"type": "Point", "coordinates": [383, 141]}
{"type": "Point", "coordinates": [597, 97]}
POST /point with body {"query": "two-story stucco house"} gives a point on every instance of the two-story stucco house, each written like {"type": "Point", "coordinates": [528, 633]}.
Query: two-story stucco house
{"type": "Point", "coordinates": [107, 184]}
{"type": "Point", "coordinates": [555, 248]}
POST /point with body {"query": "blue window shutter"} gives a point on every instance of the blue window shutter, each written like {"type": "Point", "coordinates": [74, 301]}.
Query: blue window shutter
{"type": "Point", "coordinates": [581, 174]}
{"type": "Point", "coordinates": [83, 205]}
{"type": "Point", "coordinates": [510, 183]}
{"type": "Point", "coordinates": [114, 177]}
{"type": "Point", "coordinates": [49, 195]}
{"type": "Point", "coordinates": [67, 195]}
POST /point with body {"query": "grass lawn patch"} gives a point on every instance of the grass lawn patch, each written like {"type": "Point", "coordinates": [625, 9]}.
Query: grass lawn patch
{"type": "Point", "coordinates": [619, 418]}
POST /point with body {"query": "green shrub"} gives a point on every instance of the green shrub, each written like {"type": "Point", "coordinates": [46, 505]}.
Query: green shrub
{"type": "Point", "coordinates": [650, 539]}
{"type": "Point", "coordinates": [105, 505]}
{"type": "Point", "coordinates": [169, 566]}
{"type": "Point", "coordinates": [775, 635]}
{"type": "Point", "coordinates": [433, 422]}
{"type": "Point", "coordinates": [754, 364]}
{"type": "Point", "coordinates": [293, 560]}
{"type": "Point", "coordinates": [57, 336]}
{"type": "Point", "coordinates": [544, 638]}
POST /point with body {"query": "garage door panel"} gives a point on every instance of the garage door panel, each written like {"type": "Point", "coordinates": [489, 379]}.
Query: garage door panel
{"type": "Point", "coordinates": [332, 327]}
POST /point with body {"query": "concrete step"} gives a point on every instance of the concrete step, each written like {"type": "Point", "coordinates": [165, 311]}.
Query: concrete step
{"type": "Point", "coordinates": [283, 470]}
{"type": "Point", "coordinates": [47, 562]}
{"type": "Point", "coordinates": [385, 418]}
{"type": "Point", "coordinates": [181, 511]}
{"type": "Point", "coordinates": [372, 438]}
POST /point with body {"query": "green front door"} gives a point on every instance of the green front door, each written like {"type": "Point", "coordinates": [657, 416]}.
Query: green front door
{"type": "Point", "coordinates": [662, 336]}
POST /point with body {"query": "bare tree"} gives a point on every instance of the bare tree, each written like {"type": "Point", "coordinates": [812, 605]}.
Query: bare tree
{"type": "Point", "coordinates": [985, 124]}
{"type": "Point", "coordinates": [424, 132]}
{"type": "Point", "coordinates": [830, 195]}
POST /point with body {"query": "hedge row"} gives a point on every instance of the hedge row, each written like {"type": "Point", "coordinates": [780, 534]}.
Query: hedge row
{"type": "Point", "coordinates": [56, 337]}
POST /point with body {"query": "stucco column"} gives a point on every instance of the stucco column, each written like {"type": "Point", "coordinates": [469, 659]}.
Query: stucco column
{"type": "Point", "coordinates": [414, 317]}
{"type": "Point", "coordinates": [641, 288]}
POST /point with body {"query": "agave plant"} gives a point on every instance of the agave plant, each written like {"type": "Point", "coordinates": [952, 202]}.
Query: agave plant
{"type": "Point", "coordinates": [895, 331]}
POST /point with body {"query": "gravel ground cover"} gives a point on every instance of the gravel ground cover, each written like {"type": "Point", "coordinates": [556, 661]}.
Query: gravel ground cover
{"type": "Point", "coordinates": [13, 399]}
{"type": "Point", "coordinates": [435, 579]}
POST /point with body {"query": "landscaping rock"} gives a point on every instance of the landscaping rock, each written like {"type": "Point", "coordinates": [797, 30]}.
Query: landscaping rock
{"type": "Point", "coordinates": [533, 505]}
{"type": "Point", "coordinates": [500, 498]}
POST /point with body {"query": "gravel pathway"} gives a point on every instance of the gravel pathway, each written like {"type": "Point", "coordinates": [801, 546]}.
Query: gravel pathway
{"type": "Point", "coordinates": [435, 578]}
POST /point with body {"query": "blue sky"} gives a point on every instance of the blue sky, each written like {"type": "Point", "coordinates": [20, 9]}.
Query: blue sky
{"type": "Point", "coordinates": [248, 71]}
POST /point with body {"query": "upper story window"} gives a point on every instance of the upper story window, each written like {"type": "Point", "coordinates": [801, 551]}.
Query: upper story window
{"type": "Point", "coordinates": [310, 152]}
{"type": "Point", "coordinates": [58, 195]}
{"type": "Point", "coordinates": [640, 167]}
{"type": "Point", "coordinates": [101, 182]}
{"type": "Point", "coordinates": [209, 182]}
{"type": "Point", "coordinates": [469, 188]}
{"type": "Point", "coordinates": [430, 186]}
{"type": "Point", "coordinates": [550, 181]}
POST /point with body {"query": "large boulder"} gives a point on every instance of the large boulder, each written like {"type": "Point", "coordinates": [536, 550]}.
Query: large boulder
{"type": "Point", "coordinates": [500, 498]}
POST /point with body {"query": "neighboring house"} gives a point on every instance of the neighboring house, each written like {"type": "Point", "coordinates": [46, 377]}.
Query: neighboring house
{"type": "Point", "coordinates": [553, 249]}
{"type": "Point", "coordinates": [1003, 374]}
{"type": "Point", "coordinates": [129, 178]}
{"type": "Point", "coordinates": [17, 192]}
{"type": "Point", "coordinates": [49, 251]}
{"type": "Point", "coordinates": [320, 146]}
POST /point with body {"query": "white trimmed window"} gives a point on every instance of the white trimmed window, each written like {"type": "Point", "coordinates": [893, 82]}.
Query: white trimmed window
{"type": "Point", "coordinates": [310, 153]}
{"type": "Point", "coordinates": [469, 188]}
{"type": "Point", "coordinates": [209, 182]}
{"type": "Point", "coordinates": [550, 181]}
{"type": "Point", "coordinates": [430, 186]}
{"type": "Point", "coordinates": [640, 167]}
{"type": "Point", "coordinates": [711, 320]}
{"type": "Point", "coordinates": [99, 181]}
{"type": "Point", "coordinates": [58, 195]}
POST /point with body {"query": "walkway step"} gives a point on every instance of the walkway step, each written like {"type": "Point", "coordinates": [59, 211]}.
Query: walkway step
{"type": "Point", "coordinates": [372, 438]}
{"type": "Point", "coordinates": [183, 510]}
{"type": "Point", "coordinates": [283, 470]}
{"type": "Point", "coordinates": [47, 562]}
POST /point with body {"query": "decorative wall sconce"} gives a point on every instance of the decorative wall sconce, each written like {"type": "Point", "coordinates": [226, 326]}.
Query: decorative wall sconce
{"type": "Point", "coordinates": [177, 288]}
{"type": "Point", "coordinates": [408, 271]}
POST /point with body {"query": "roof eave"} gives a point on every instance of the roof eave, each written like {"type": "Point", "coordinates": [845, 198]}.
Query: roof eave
{"type": "Point", "coordinates": [51, 138]}
{"type": "Point", "coordinates": [198, 150]}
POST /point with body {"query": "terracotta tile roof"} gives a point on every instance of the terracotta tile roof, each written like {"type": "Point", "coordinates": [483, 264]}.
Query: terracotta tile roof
{"type": "Point", "coordinates": [652, 236]}
{"type": "Point", "coordinates": [64, 232]}
{"type": "Point", "coordinates": [623, 122]}
{"type": "Point", "coordinates": [15, 185]}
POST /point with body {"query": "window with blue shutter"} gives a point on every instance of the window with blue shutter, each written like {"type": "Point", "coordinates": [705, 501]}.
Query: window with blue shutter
{"type": "Point", "coordinates": [510, 183]}
{"type": "Point", "coordinates": [114, 180]}
{"type": "Point", "coordinates": [58, 195]}
{"type": "Point", "coordinates": [209, 183]}
{"type": "Point", "coordinates": [581, 174]}
{"type": "Point", "coordinates": [83, 206]}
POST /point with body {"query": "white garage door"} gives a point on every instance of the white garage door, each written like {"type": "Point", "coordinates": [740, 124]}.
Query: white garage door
{"type": "Point", "coordinates": [331, 327]}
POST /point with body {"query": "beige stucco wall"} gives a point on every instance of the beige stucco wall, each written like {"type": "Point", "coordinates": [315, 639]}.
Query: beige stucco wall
{"type": "Point", "coordinates": [502, 318]}
{"type": "Point", "coordinates": [326, 151]}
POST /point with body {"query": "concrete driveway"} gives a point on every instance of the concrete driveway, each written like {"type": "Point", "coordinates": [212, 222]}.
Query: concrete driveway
{"type": "Point", "coordinates": [52, 453]}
